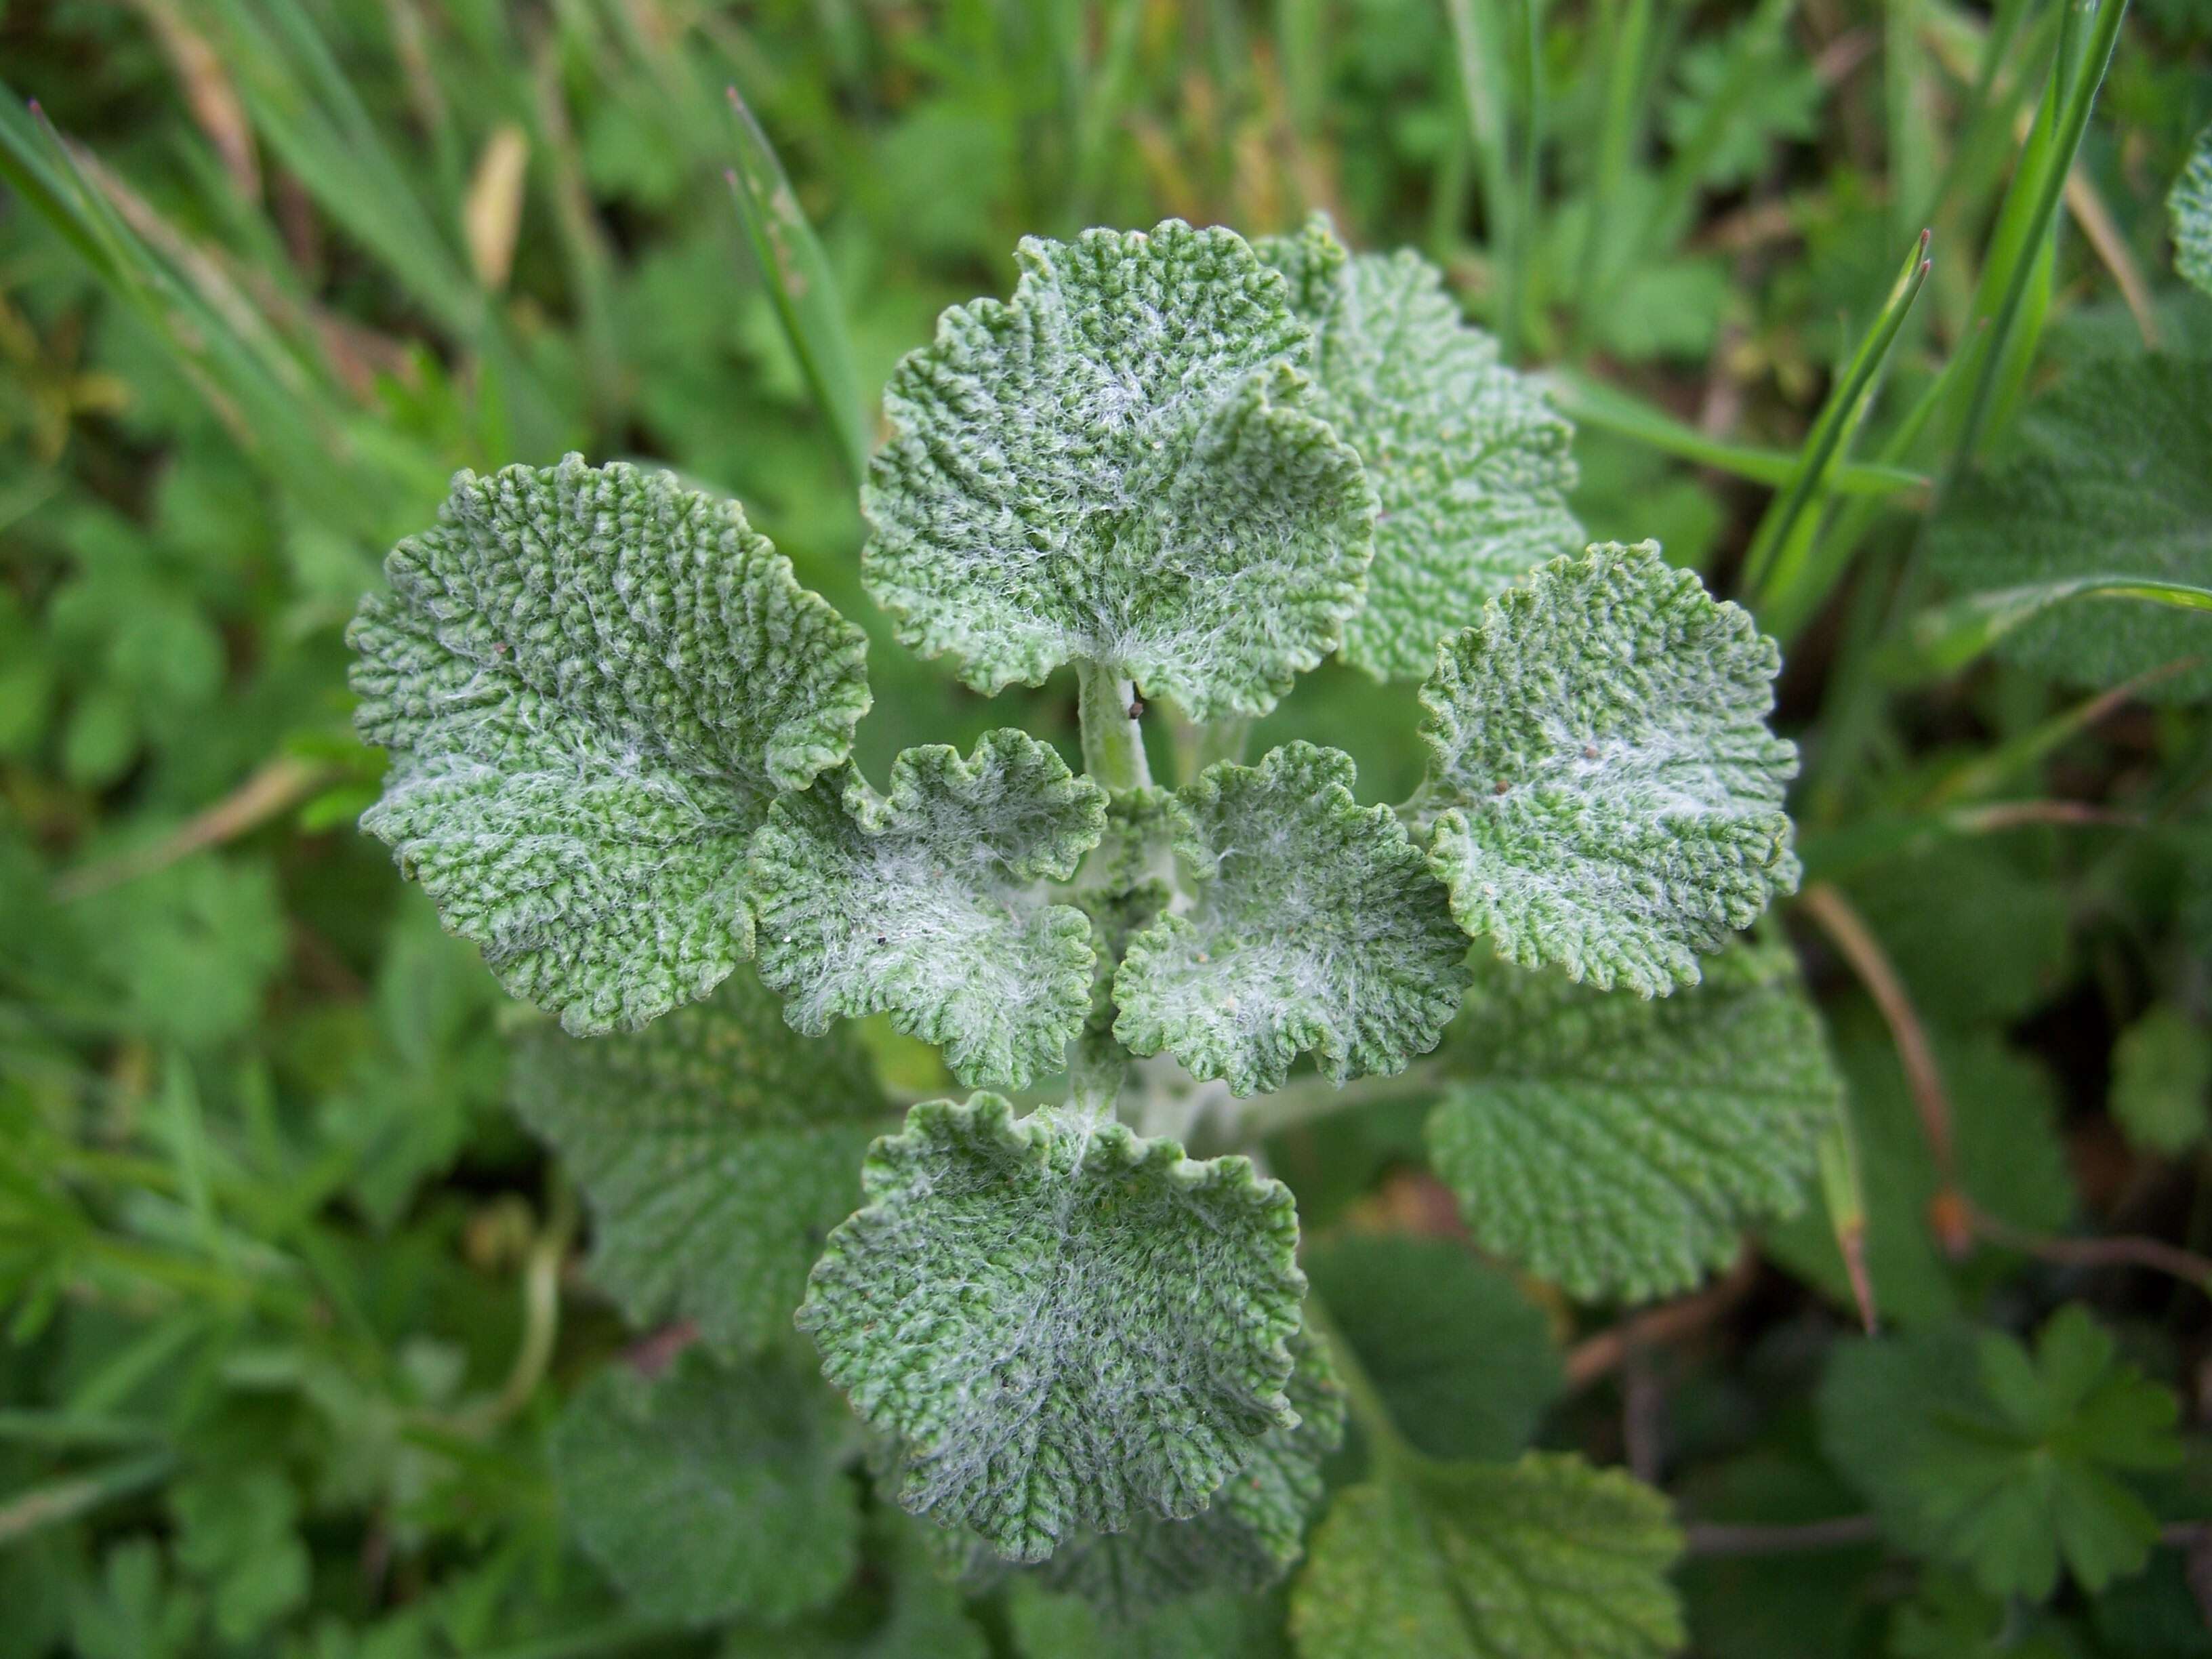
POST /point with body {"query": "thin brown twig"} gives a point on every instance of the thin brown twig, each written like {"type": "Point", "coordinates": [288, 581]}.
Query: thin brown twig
{"type": "Point", "coordinates": [2127, 1251]}
{"type": "Point", "coordinates": [276, 786]}
{"type": "Point", "coordinates": [1594, 1356]}
{"type": "Point", "coordinates": [1848, 930]}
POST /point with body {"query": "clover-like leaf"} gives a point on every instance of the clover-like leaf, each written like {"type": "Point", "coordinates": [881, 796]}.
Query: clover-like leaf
{"type": "Point", "coordinates": [930, 902]}
{"type": "Point", "coordinates": [1603, 792]}
{"type": "Point", "coordinates": [1061, 1325]}
{"type": "Point", "coordinates": [711, 1490]}
{"type": "Point", "coordinates": [1468, 460]}
{"type": "Point", "coordinates": [591, 683]}
{"type": "Point", "coordinates": [1248, 1537]}
{"type": "Point", "coordinates": [1973, 1452]}
{"type": "Point", "coordinates": [717, 1150]}
{"type": "Point", "coordinates": [1545, 1558]}
{"type": "Point", "coordinates": [1618, 1146]}
{"type": "Point", "coordinates": [2106, 484]}
{"type": "Point", "coordinates": [2189, 208]}
{"type": "Point", "coordinates": [1119, 465]}
{"type": "Point", "coordinates": [1318, 927]}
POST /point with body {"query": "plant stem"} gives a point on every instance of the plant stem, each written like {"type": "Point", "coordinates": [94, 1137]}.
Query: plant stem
{"type": "Point", "coordinates": [1113, 738]}
{"type": "Point", "coordinates": [64, 1500]}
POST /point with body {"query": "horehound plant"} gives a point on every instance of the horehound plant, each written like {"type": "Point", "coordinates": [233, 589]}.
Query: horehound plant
{"type": "Point", "coordinates": [1188, 467]}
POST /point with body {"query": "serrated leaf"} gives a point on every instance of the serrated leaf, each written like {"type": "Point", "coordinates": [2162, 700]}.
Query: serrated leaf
{"type": "Point", "coordinates": [1062, 1325]}
{"type": "Point", "coordinates": [1971, 1452]}
{"type": "Point", "coordinates": [2108, 479]}
{"type": "Point", "coordinates": [1317, 927]}
{"type": "Point", "coordinates": [1121, 465]}
{"type": "Point", "coordinates": [1250, 1533]}
{"type": "Point", "coordinates": [1603, 792]}
{"type": "Point", "coordinates": [591, 683]}
{"type": "Point", "coordinates": [1463, 1360]}
{"type": "Point", "coordinates": [2190, 210]}
{"type": "Point", "coordinates": [711, 1492]}
{"type": "Point", "coordinates": [717, 1150]}
{"type": "Point", "coordinates": [2162, 1081]}
{"type": "Point", "coordinates": [1620, 1146]}
{"type": "Point", "coordinates": [1468, 461]}
{"type": "Point", "coordinates": [930, 905]}
{"type": "Point", "coordinates": [1545, 1558]}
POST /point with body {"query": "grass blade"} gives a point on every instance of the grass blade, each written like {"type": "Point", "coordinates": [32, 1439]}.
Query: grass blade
{"type": "Point", "coordinates": [1946, 639]}
{"type": "Point", "coordinates": [1593, 402]}
{"type": "Point", "coordinates": [798, 276]}
{"type": "Point", "coordinates": [1785, 583]}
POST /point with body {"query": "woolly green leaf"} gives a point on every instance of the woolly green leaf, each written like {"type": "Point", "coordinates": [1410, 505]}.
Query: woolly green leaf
{"type": "Point", "coordinates": [591, 683]}
{"type": "Point", "coordinates": [929, 904]}
{"type": "Point", "coordinates": [1318, 927]}
{"type": "Point", "coordinates": [1121, 465]}
{"type": "Point", "coordinates": [1603, 791]}
{"type": "Point", "coordinates": [710, 1491]}
{"type": "Point", "coordinates": [1545, 1558]}
{"type": "Point", "coordinates": [1463, 1360]}
{"type": "Point", "coordinates": [1061, 1325]}
{"type": "Point", "coordinates": [2189, 207]}
{"type": "Point", "coordinates": [2162, 1081]}
{"type": "Point", "coordinates": [2108, 479]}
{"type": "Point", "coordinates": [1620, 1146]}
{"type": "Point", "coordinates": [1246, 1538]}
{"type": "Point", "coordinates": [1973, 1453]}
{"type": "Point", "coordinates": [1468, 460]}
{"type": "Point", "coordinates": [717, 1151]}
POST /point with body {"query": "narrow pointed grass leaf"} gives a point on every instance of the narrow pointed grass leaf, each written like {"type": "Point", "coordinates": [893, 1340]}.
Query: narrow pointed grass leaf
{"type": "Point", "coordinates": [1781, 573]}
{"type": "Point", "coordinates": [797, 275]}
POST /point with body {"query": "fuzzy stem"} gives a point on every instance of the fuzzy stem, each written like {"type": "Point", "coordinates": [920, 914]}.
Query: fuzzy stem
{"type": "Point", "coordinates": [1112, 741]}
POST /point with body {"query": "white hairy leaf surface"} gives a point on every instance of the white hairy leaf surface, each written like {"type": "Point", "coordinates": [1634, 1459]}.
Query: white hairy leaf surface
{"type": "Point", "coordinates": [1469, 462]}
{"type": "Point", "coordinates": [1603, 791]}
{"type": "Point", "coordinates": [1545, 1558]}
{"type": "Point", "coordinates": [930, 903]}
{"type": "Point", "coordinates": [713, 1491]}
{"type": "Point", "coordinates": [1119, 464]}
{"type": "Point", "coordinates": [1620, 1146]}
{"type": "Point", "coordinates": [591, 682]}
{"type": "Point", "coordinates": [2189, 208]}
{"type": "Point", "coordinates": [716, 1149]}
{"type": "Point", "coordinates": [1247, 1538]}
{"type": "Point", "coordinates": [1059, 1325]}
{"type": "Point", "coordinates": [1318, 927]}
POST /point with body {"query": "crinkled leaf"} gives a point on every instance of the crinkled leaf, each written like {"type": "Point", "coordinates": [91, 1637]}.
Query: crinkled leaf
{"type": "Point", "coordinates": [717, 1150]}
{"type": "Point", "coordinates": [1974, 1452]}
{"type": "Point", "coordinates": [710, 1491]}
{"type": "Point", "coordinates": [2109, 478]}
{"type": "Point", "coordinates": [1468, 461]}
{"type": "Point", "coordinates": [930, 903]}
{"type": "Point", "coordinates": [1120, 464]}
{"type": "Point", "coordinates": [1062, 1325]}
{"type": "Point", "coordinates": [2162, 1081]}
{"type": "Point", "coordinates": [1246, 1538]}
{"type": "Point", "coordinates": [1603, 791]}
{"type": "Point", "coordinates": [1318, 927]}
{"type": "Point", "coordinates": [1545, 1558]}
{"type": "Point", "coordinates": [2189, 207]}
{"type": "Point", "coordinates": [1620, 1146]}
{"type": "Point", "coordinates": [591, 682]}
{"type": "Point", "coordinates": [1463, 1360]}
